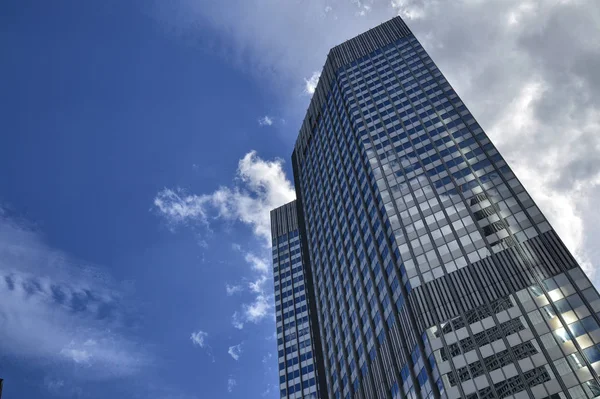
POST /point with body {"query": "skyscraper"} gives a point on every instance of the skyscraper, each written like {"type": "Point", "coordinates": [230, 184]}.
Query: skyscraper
{"type": "Point", "coordinates": [434, 273]}
{"type": "Point", "coordinates": [296, 339]}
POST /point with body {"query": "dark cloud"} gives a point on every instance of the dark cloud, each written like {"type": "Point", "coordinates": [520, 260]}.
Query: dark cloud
{"type": "Point", "coordinates": [584, 165]}
{"type": "Point", "coordinates": [10, 284]}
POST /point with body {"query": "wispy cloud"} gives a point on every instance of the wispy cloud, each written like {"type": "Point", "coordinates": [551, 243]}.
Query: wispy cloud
{"type": "Point", "coordinates": [310, 84]}
{"type": "Point", "coordinates": [231, 383]}
{"type": "Point", "coordinates": [257, 285]}
{"type": "Point", "coordinates": [62, 387]}
{"type": "Point", "coordinates": [259, 308]}
{"type": "Point", "coordinates": [57, 308]}
{"type": "Point", "coordinates": [235, 351]}
{"type": "Point", "coordinates": [79, 356]}
{"type": "Point", "coordinates": [257, 263]}
{"type": "Point", "coordinates": [268, 363]}
{"type": "Point", "coordinates": [233, 289]}
{"type": "Point", "coordinates": [265, 121]}
{"type": "Point", "coordinates": [199, 338]}
{"type": "Point", "coordinates": [53, 385]}
{"type": "Point", "coordinates": [237, 320]}
{"type": "Point", "coordinates": [262, 304]}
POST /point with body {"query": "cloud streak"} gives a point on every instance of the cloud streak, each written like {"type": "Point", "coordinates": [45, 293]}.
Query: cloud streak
{"type": "Point", "coordinates": [235, 351]}
{"type": "Point", "coordinates": [237, 320]}
{"type": "Point", "coordinates": [233, 289]}
{"type": "Point", "coordinates": [55, 308]}
{"type": "Point", "coordinates": [310, 84]}
{"type": "Point", "coordinates": [265, 121]}
{"type": "Point", "coordinates": [231, 383]}
{"type": "Point", "coordinates": [199, 338]}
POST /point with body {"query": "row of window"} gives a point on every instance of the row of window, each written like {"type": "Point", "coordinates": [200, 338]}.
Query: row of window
{"type": "Point", "coordinates": [299, 387]}
{"type": "Point", "coordinates": [284, 238]}
{"type": "Point", "coordinates": [294, 360]}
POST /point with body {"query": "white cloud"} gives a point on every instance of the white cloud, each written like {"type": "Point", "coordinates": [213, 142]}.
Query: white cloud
{"type": "Point", "coordinates": [258, 309]}
{"type": "Point", "coordinates": [235, 351]}
{"type": "Point", "coordinates": [310, 84]}
{"type": "Point", "coordinates": [54, 385]}
{"type": "Point", "coordinates": [199, 338]}
{"type": "Point", "coordinates": [236, 320]}
{"type": "Point", "coordinates": [258, 264]}
{"type": "Point", "coordinates": [179, 208]}
{"type": "Point", "coordinates": [410, 9]}
{"type": "Point", "coordinates": [265, 121]}
{"type": "Point", "coordinates": [260, 186]}
{"type": "Point", "coordinates": [77, 355]}
{"type": "Point", "coordinates": [257, 285]}
{"type": "Point", "coordinates": [231, 383]}
{"type": "Point", "coordinates": [61, 310]}
{"type": "Point", "coordinates": [233, 289]}
{"type": "Point", "coordinates": [363, 10]}
{"type": "Point", "coordinates": [262, 305]}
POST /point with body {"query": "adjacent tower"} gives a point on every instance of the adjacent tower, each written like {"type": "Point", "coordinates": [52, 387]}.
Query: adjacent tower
{"type": "Point", "coordinates": [430, 270]}
{"type": "Point", "coordinates": [300, 360]}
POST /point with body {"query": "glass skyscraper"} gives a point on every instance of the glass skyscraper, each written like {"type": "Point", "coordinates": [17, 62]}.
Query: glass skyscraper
{"type": "Point", "coordinates": [429, 270]}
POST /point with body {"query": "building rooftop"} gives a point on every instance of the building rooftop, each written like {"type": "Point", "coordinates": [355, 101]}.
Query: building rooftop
{"type": "Point", "coordinates": [340, 55]}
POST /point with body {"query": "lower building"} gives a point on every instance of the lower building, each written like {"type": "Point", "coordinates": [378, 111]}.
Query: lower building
{"type": "Point", "coordinates": [297, 335]}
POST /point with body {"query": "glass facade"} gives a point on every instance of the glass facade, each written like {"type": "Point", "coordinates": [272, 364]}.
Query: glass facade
{"type": "Point", "coordinates": [432, 271]}
{"type": "Point", "coordinates": [295, 342]}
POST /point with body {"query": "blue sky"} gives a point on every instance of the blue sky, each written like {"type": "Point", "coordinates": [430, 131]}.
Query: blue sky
{"type": "Point", "coordinates": [144, 142]}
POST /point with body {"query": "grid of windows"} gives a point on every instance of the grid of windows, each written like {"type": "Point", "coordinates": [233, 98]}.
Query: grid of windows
{"type": "Point", "coordinates": [547, 325]}
{"type": "Point", "coordinates": [405, 201]}
{"type": "Point", "coordinates": [297, 368]}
